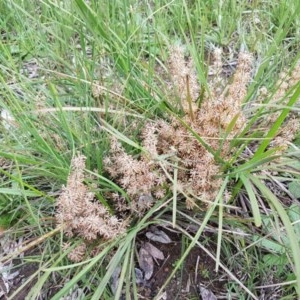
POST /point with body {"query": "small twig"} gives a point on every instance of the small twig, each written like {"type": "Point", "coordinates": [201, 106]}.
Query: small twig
{"type": "Point", "coordinates": [196, 269]}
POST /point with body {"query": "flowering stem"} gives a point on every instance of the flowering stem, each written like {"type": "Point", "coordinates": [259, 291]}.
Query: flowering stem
{"type": "Point", "coordinates": [189, 98]}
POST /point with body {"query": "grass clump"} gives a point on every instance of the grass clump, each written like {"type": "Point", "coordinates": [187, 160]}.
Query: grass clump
{"type": "Point", "coordinates": [191, 144]}
{"type": "Point", "coordinates": [115, 123]}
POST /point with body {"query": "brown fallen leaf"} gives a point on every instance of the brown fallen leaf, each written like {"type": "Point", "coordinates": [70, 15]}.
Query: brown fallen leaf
{"type": "Point", "coordinates": [158, 236]}
{"type": "Point", "coordinates": [152, 250]}
{"type": "Point", "coordinates": [207, 294]}
{"type": "Point", "coordinates": [139, 277]}
{"type": "Point", "coordinates": [146, 263]}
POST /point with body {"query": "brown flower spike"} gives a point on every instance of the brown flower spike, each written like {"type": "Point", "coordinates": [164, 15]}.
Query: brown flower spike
{"type": "Point", "coordinates": [78, 213]}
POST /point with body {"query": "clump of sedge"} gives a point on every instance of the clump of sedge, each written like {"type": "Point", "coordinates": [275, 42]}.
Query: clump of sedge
{"type": "Point", "coordinates": [171, 145]}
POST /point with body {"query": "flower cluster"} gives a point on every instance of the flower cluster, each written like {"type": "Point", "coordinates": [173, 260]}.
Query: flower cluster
{"type": "Point", "coordinates": [79, 214]}
{"type": "Point", "coordinates": [172, 144]}
{"type": "Point", "coordinates": [140, 178]}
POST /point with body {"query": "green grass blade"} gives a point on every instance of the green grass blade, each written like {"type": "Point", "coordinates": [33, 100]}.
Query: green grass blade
{"type": "Point", "coordinates": [253, 201]}
{"type": "Point", "coordinates": [295, 249]}
{"type": "Point", "coordinates": [275, 128]}
{"type": "Point", "coordinates": [207, 217]}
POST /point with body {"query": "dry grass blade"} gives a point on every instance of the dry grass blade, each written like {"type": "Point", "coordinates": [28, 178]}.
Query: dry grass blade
{"type": "Point", "coordinates": [32, 244]}
{"type": "Point", "coordinates": [87, 109]}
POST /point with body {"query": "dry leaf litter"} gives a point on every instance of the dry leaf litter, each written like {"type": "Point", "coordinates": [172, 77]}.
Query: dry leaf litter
{"type": "Point", "coordinates": [8, 273]}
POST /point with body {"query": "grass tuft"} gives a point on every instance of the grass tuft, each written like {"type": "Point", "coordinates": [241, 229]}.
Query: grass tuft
{"type": "Point", "coordinates": [186, 117]}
